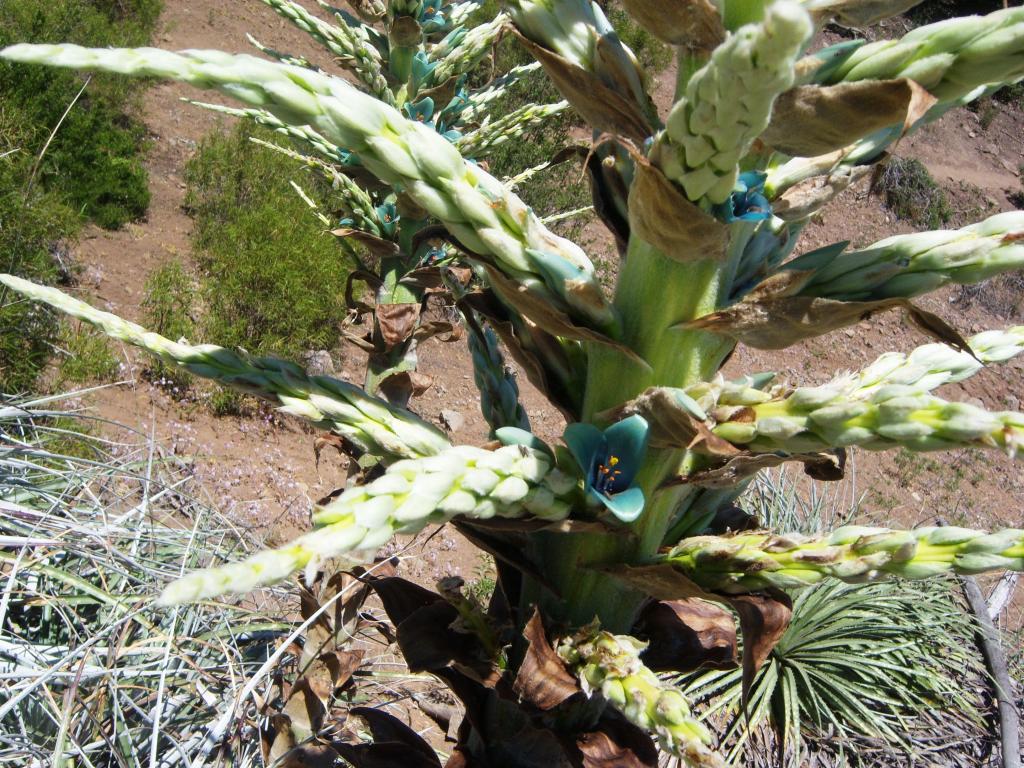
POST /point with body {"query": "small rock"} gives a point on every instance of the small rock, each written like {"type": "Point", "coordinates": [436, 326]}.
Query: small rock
{"type": "Point", "coordinates": [318, 362]}
{"type": "Point", "coordinates": [1012, 402]}
{"type": "Point", "coordinates": [972, 134]}
{"type": "Point", "coordinates": [453, 421]}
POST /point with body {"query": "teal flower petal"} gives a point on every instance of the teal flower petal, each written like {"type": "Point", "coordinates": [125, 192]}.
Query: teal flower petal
{"type": "Point", "coordinates": [585, 442]}
{"type": "Point", "coordinates": [626, 506]}
{"type": "Point", "coordinates": [627, 440]}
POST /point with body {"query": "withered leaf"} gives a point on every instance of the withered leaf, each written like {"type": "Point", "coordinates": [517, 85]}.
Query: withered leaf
{"type": "Point", "coordinates": [811, 120]}
{"type": "Point", "coordinates": [693, 24]}
{"type": "Point", "coordinates": [397, 322]}
{"type": "Point", "coordinates": [400, 386]}
{"type": "Point", "coordinates": [604, 109]}
{"type": "Point", "coordinates": [360, 275]}
{"type": "Point", "coordinates": [685, 635]}
{"type": "Point", "coordinates": [617, 743]}
{"type": "Point", "coordinates": [746, 465]}
{"type": "Point", "coordinates": [549, 317]}
{"type": "Point", "coordinates": [670, 422]}
{"type": "Point", "coordinates": [542, 680]}
{"type": "Point", "coordinates": [394, 743]}
{"type": "Point", "coordinates": [439, 328]}
{"type": "Point", "coordinates": [660, 581]}
{"type": "Point", "coordinates": [309, 756]}
{"type": "Point", "coordinates": [304, 709]}
{"type": "Point", "coordinates": [278, 739]}
{"type": "Point", "coordinates": [776, 323]}
{"type": "Point", "coordinates": [405, 31]}
{"type": "Point", "coordinates": [860, 13]}
{"type": "Point", "coordinates": [661, 215]}
{"type": "Point", "coordinates": [803, 199]}
{"type": "Point", "coordinates": [377, 246]}
{"type": "Point", "coordinates": [763, 621]}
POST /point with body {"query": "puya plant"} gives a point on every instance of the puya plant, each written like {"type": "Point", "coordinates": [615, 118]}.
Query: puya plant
{"type": "Point", "coordinates": [430, 60]}
{"type": "Point", "coordinates": [614, 562]}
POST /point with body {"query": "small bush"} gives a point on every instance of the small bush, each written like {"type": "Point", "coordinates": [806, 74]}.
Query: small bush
{"type": "Point", "coordinates": [273, 281]}
{"type": "Point", "coordinates": [87, 356]}
{"type": "Point", "coordinates": [168, 309]}
{"type": "Point", "coordinates": [911, 193]}
{"type": "Point", "coordinates": [94, 160]}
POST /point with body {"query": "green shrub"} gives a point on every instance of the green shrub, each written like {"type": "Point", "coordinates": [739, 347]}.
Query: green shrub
{"type": "Point", "coordinates": [168, 309]}
{"type": "Point", "coordinates": [911, 193]}
{"type": "Point", "coordinates": [91, 170]}
{"type": "Point", "coordinates": [273, 280]}
{"type": "Point", "coordinates": [94, 159]}
{"type": "Point", "coordinates": [87, 356]}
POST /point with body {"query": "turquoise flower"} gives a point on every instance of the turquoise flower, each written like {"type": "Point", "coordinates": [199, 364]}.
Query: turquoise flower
{"type": "Point", "coordinates": [747, 202]}
{"type": "Point", "coordinates": [387, 215]}
{"type": "Point", "coordinates": [422, 111]}
{"type": "Point", "coordinates": [432, 17]}
{"type": "Point", "coordinates": [609, 461]}
{"type": "Point", "coordinates": [422, 70]}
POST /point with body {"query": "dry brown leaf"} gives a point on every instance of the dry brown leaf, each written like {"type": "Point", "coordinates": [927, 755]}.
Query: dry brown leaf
{"type": "Point", "coordinates": [617, 743]}
{"type": "Point", "coordinates": [776, 323]}
{"type": "Point", "coordinates": [661, 215]}
{"type": "Point", "coordinates": [542, 680]}
{"type": "Point", "coordinates": [549, 317]}
{"type": "Point", "coordinates": [397, 322]}
{"type": "Point", "coordinates": [604, 109]}
{"type": "Point", "coordinates": [377, 246]}
{"type": "Point", "coordinates": [693, 24]}
{"type": "Point", "coordinates": [811, 120]}
{"type": "Point", "coordinates": [763, 621]}
{"type": "Point", "coordinates": [685, 635]}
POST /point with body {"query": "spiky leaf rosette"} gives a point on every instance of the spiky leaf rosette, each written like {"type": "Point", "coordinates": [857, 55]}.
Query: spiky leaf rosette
{"type": "Point", "coordinates": [751, 562]}
{"type": "Point", "coordinates": [370, 423]}
{"type": "Point", "coordinates": [728, 103]}
{"type": "Point", "coordinates": [513, 481]}
{"type": "Point", "coordinates": [610, 664]}
{"type": "Point", "coordinates": [478, 209]}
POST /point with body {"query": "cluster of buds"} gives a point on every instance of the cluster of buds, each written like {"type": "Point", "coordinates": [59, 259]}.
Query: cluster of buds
{"type": "Point", "coordinates": [750, 562]}
{"type": "Point", "coordinates": [610, 665]}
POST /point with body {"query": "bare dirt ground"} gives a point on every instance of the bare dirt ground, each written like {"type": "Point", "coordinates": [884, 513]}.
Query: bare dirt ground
{"type": "Point", "coordinates": [262, 471]}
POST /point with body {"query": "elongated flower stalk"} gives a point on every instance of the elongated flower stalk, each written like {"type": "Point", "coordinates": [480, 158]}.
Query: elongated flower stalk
{"type": "Point", "coordinates": [513, 481]}
{"type": "Point", "coordinates": [610, 665]}
{"type": "Point", "coordinates": [949, 58]}
{"type": "Point", "coordinates": [914, 264]}
{"type": "Point", "coordinates": [749, 562]}
{"type": "Point", "coordinates": [499, 393]}
{"type": "Point", "coordinates": [476, 207]}
{"type": "Point", "coordinates": [352, 48]}
{"type": "Point", "coordinates": [506, 127]}
{"type": "Point", "coordinates": [728, 102]}
{"type": "Point", "coordinates": [885, 405]}
{"type": "Point", "coordinates": [328, 403]}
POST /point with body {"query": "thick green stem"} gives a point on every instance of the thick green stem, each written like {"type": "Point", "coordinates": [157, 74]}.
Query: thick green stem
{"type": "Point", "coordinates": [654, 295]}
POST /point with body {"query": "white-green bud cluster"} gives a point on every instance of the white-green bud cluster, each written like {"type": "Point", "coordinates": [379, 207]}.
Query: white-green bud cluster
{"type": "Point", "coordinates": [499, 393]}
{"type": "Point", "coordinates": [914, 264]}
{"type": "Point", "coordinates": [572, 29]}
{"type": "Point", "coordinates": [728, 103]}
{"type": "Point", "coordinates": [476, 43]}
{"type": "Point", "coordinates": [478, 107]}
{"type": "Point", "coordinates": [610, 664]}
{"type": "Point", "coordinates": [368, 422]}
{"type": "Point", "coordinates": [950, 58]}
{"type": "Point", "coordinates": [751, 562]}
{"type": "Point", "coordinates": [513, 481]}
{"type": "Point", "coordinates": [886, 406]}
{"type": "Point", "coordinates": [512, 125]}
{"type": "Point", "coordinates": [474, 206]}
{"type": "Point", "coordinates": [350, 45]}
{"type": "Point", "coordinates": [303, 133]}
